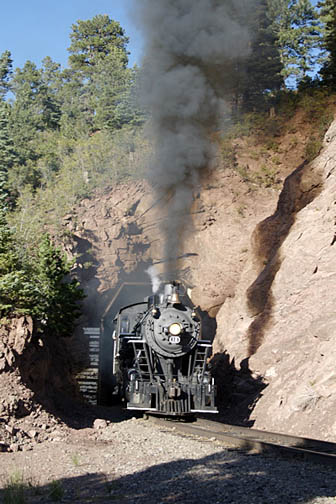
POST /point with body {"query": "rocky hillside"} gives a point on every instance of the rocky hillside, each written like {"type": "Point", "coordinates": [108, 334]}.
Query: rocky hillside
{"type": "Point", "coordinates": [282, 318]}
{"type": "Point", "coordinates": [118, 234]}
{"type": "Point", "coordinates": [258, 257]}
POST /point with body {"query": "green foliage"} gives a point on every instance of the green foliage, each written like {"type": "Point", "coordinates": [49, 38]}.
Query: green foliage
{"type": "Point", "coordinates": [75, 459]}
{"type": "Point", "coordinates": [263, 67]}
{"type": "Point", "coordinates": [38, 285]}
{"type": "Point", "coordinates": [100, 161]}
{"type": "Point", "coordinates": [15, 489]}
{"type": "Point", "coordinates": [69, 132]}
{"type": "Point", "coordinates": [266, 176]}
{"type": "Point", "coordinates": [53, 107]}
{"type": "Point", "coordinates": [57, 298]}
{"type": "Point", "coordinates": [5, 73]}
{"type": "Point", "coordinates": [315, 104]}
{"type": "Point", "coordinates": [56, 491]}
{"type": "Point", "coordinates": [298, 30]}
{"type": "Point", "coordinates": [313, 148]}
{"type": "Point", "coordinates": [7, 155]}
{"type": "Point", "coordinates": [328, 18]}
{"type": "Point", "coordinates": [228, 152]}
{"type": "Point", "coordinates": [254, 78]}
{"type": "Point", "coordinates": [94, 40]}
{"type": "Point", "coordinates": [34, 111]}
{"type": "Point", "coordinates": [112, 90]}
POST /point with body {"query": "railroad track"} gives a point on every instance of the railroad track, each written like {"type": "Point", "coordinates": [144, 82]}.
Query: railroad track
{"type": "Point", "coordinates": [256, 441]}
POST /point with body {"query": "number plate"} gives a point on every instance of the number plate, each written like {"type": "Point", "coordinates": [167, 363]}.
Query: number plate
{"type": "Point", "coordinates": [175, 339]}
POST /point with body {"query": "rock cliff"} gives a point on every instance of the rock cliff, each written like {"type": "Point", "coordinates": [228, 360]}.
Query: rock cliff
{"type": "Point", "coordinates": [259, 256]}
{"type": "Point", "coordinates": [282, 319]}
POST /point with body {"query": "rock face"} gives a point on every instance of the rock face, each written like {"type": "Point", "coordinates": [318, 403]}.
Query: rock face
{"type": "Point", "coordinates": [117, 236]}
{"type": "Point", "coordinates": [32, 367]}
{"type": "Point", "coordinates": [260, 259]}
{"type": "Point", "coordinates": [282, 319]}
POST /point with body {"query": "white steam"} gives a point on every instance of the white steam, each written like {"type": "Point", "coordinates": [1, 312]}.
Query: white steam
{"type": "Point", "coordinates": [155, 279]}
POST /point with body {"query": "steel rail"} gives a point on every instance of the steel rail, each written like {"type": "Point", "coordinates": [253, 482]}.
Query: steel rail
{"type": "Point", "coordinates": [256, 441]}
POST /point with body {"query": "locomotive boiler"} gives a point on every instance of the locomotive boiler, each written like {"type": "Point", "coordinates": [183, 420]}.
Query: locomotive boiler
{"type": "Point", "coordinates": [160, 361]}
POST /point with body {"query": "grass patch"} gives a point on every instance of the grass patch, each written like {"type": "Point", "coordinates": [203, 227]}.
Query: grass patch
{"type": "Point", "coordinates": [228, 152]}
{"type": "Point", "coordinates": [267, 176]}
{"type": "Point", "coordinates": [75, 459]}
{"type": "Point", "coordinates": [56, 491]}
{"type": "Point", "coordinates": [15, 489]}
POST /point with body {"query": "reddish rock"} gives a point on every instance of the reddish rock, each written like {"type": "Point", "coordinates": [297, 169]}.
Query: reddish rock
{"type": "Point", "coordinates": [282, 317]}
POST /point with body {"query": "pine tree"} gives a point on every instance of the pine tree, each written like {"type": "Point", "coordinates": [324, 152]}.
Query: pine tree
{"type": "Point", "coordinates": [253, 78]}
{"type": "Point", "coordinates": [298, 30]}
{"type": "Point", "coordinates": [76, 115]}
{"type": "Point", "coordinates": [39, 285]}
{"type": "Point", "coordinates": [5, 73]}
{"type": "Point", "coordinates": [99, 83]}
{"type": "Point", "coordinates": [7, 155]}
{"type": "Point", "coordinates": [58, 295]}
{"type": "Point", "coordinates": [16, 289]}
{"type": "Point", "coordinates": [112, 90]}
{"type": "Point", "coordinates": [263, 66]}
{"type": "Point", "coordinates": [50, 93]}
{"type": "Point", "coordinates": [93, 40]}
{"type": "Point", "coordinates": [35, 110]}
{"type": "Point", "coordinates": [328, 18]}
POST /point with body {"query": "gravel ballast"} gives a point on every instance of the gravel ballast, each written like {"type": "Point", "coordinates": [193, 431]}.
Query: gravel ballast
{"type": "Point", "coordinates": [136, 461]}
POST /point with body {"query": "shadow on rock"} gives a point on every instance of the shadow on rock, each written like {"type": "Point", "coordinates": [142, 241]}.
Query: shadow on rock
{"type": "Point", "coordinates": [299, 189]}
{"type": "Point", "coordinates": [238, 391]}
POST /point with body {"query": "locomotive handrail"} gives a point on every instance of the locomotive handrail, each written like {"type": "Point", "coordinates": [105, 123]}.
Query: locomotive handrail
{"type": "Point", "coordinates": [138, 324]}
{"type": "Point", "coordinates": [165, 370]}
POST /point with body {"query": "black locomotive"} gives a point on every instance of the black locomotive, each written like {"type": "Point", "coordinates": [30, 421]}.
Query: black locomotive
{"type": "Point", "coordinates": [159, 358]}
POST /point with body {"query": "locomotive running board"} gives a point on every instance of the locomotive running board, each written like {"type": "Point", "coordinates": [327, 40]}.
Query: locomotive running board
{"type": "Point", "coordinates": [144, 409]}
{"type": "Point", "coordinates": [203, 411]}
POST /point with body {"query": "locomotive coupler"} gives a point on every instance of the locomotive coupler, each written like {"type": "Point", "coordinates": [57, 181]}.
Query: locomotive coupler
{"type": "Point", "coordinates": [174, 391]}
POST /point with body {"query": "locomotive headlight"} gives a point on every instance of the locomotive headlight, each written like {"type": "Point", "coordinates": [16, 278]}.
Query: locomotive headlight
{"type": "Point", "coordinates": [175, 329]}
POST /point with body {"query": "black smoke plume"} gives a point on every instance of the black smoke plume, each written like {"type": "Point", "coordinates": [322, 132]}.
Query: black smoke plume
{"type": "Point", "coordinates": [190, 51]}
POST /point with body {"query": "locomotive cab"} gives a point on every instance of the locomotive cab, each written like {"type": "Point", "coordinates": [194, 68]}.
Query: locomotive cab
{"type": "Point", "coordinates": [160, 358]}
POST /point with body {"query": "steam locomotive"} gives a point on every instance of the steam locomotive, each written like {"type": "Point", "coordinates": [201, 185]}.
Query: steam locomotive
{"type": "Point", "coordinates": [159, 358]}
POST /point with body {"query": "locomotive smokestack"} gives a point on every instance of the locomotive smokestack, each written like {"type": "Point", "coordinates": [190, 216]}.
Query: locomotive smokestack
{"type": "Point", "coordinates": [189, 47]}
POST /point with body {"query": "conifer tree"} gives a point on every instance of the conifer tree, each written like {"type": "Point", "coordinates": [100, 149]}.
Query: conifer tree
{"type": "Point", "coordinates": [111, 91]}
{"type": "Point", "coordinates": [39, 285]}
{"type": "Point", "coordinates": [328, 18]}
{"type": "Point", "coordinates": [263, 66]}
{"type": "Point", "coordinates": [93, 40]}
{"type": "Point", "coordinates": [298, 29]}
{"type": "Point", "coordinates": [101, 84]}
{"type": "Point", "coordinates": [57, 295]}
{"type": "Point", "coordinates": [35, 110]}
{"type": "Point", "coordinates": [5, 73]}
{"type": "Point", "coordinates": [7, 155]}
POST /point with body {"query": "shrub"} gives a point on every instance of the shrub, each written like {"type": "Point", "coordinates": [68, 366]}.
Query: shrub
{"type": "Point", "coordinates": [37, 284]}
{"type": "Point", "coordinates": [312, 148]}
